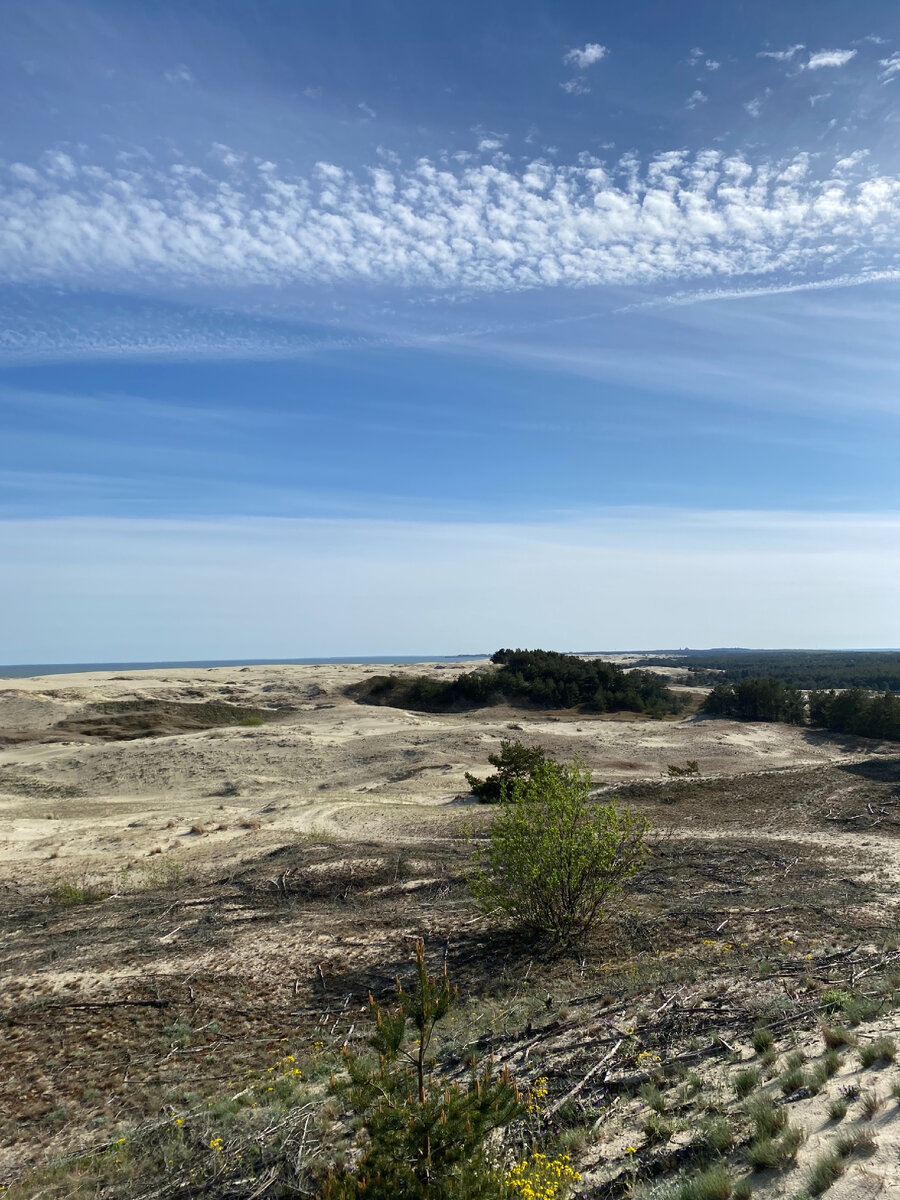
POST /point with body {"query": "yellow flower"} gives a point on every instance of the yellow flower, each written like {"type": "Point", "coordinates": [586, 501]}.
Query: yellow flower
{"type": "Point", "coordinates": [631, 1149]}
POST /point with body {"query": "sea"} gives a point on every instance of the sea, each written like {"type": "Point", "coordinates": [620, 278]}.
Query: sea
{"type": "Point", "coordinates": [27, 670]}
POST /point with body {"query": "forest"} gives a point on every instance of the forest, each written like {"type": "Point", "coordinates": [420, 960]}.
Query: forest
{"type": "Point", "coordinates": [875, 670]}
{"type": "Point", "coordinates": [853, 710]}
{"type": "Point", "coordinates": [529, 678]}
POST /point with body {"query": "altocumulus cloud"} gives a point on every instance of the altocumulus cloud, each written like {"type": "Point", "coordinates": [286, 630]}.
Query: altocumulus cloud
{"type": "Point", "coordinates": [485, 226]}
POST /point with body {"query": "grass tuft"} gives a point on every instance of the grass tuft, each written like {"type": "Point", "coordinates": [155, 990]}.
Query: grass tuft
{"type": "Point", "coordinates": [881, 1050]}
{"type": "Point", "coordinates": [824, 1172]}
{"type": "Point", "coordinates": [762, 1039]}
{"type": "Point", "coordinates": [746, 1081]}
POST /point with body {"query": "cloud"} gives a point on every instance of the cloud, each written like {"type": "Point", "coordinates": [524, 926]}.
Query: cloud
{"type": "Point", "coordinates": [180, 74]}
{"type": "Point", "coordinates": [829, 58]}
{"type": "Point", "coordinates": [587, 56]}
{"type": "Point", "coordinates": [754, 106]}
{"type": "Point", "coordinates": [104, 589]}
{"type": "Point", "coordinates": [488, 144]}
{"type": "Point", "coordinates": [782, 55]}
{"type": "Point", "coordinates": [575, 87]}
{"type": "Point", "coordinates": [695, 98]}
{"type": "Point", "coordinates": [365, 108]}
{"type": "Point", "coordinates": [475, 227]}
{"type": "Point", "coordinates": [891, 67]}
{"type": "Point", "coordinates": [712, 65]}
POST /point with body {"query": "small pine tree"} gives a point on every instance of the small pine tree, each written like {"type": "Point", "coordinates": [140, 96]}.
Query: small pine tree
{"type": "Point", "coordinates": [421, 1137]}
{"type": "Point", "coordinates": [515, 761]}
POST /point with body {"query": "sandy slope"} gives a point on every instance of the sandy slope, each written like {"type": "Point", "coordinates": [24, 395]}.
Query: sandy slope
{"type": "Point", "coordinates": [323, 760]}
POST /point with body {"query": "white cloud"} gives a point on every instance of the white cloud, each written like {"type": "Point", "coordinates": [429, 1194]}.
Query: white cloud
{"type": "Point", "coordinates": [891, 67]}
{"type": "Point", "coordinates": [782, 55]}
{"type": "Point", "coordinates": [829, 58]}
{"type": "Point", "coordinates": [365, 108]}
{"type": "Point", "coordinates": [102, 589]}
{"type": "Point", "coordinates": [590, 53]}
{"type": "Point", "coordinates": [179, 74]}
{"type": "Point", "coordinates": [575, 87]}
{"type": "Point", "coordinates": [473, 226]}
{"type": "Point", "coordinates": [754, 106]}
{"type": "Point", "coordinates": [712, 65]}
{"type": "Point", "coordinates": [695, 98]}
{"type": "Point", "coordinates": [695, 55]}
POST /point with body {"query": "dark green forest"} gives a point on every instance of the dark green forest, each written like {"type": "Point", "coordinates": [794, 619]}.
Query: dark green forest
{"type": "Point", "coordinates": [530, 679]}
{"type": "Point", "coordinates": [853, 710]}
{"type": "Point", "coordinates": [875, 670]}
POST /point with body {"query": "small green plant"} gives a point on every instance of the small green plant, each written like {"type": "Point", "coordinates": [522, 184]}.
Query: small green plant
{"type": "Point", "coordinates": [420, 1135]}
{"type": "Point", "coordinates": [852, 1141]}
{"type": "Point", "coordinates": [555, 858]}
{"type": "Point", "coordinates": [745, 1081]}
{"type": "Point", "coordinates": [762, 1039]}
{"type": "Point", "coordinates": [832, 1063]}
{"type": "Point", "coordinates": [837, 1108]}
{"type": "Point", "coordinates": [653, 1097]}
{"type": "Point", "coordinates": [869, 1104]}
{"type": "Point", "coordinates": [767, 1120]}
{"type": "Point", "coordinates": [824, 1172]}
{"type": "Point", "coordinates": [657, 1128]}
{"type": "Point", "coordinates": [718, 1134]}
{"type": "Point", "coordinates": [895, 1089]}
{"type": "Point", "coordinates": [691, 767]}
{"type": "Point", "coordinates": [714, 1184]}
{"type": "Point", "coordinates": [837, 1036]}
{"type": "Point", "coordinates": [770, 1153]}
{"type": "Point", "coordinates": [881, 1050]}
{"type": "Point", "coordinates": [251, 721]}
{"type": "Point", "coordinates": [71, 895]}
{"type": "Point", "coordinates": [791, 1079]}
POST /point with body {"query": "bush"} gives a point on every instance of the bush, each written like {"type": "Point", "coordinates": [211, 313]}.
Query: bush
{"type": "Point", "coordinates": [515, 761]}
{"type": "Point", "coordinates": [554, 859]}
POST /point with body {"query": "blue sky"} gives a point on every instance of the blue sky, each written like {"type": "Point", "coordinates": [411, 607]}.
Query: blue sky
{"type": "Point", "coordinates": [336, 328]}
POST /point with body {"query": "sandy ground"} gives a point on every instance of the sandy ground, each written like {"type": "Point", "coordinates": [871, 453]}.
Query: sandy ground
{"type": "Point", "coordinates": [77, 803]}
{"type": "Point", "coordinates": [78, 806]}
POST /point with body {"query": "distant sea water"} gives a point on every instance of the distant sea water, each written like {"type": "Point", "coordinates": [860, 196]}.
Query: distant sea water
{"type": "Point", "coordinates": [27, 670]}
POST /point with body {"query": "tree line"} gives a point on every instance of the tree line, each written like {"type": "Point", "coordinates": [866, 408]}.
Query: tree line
{"type": "Point", "coordinates": [874, 670]}
{"type": "Point", "coordinates": [530, 678]}
{"type": "Point", "coordinates": [853, 710]}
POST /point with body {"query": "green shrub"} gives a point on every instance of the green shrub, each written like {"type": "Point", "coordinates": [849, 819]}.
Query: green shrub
{"type": "Point", "coordinates": [71, 895]}
{"type": "Point", "coordinates": [837, 1108]}
{"type": "Point", "coordinates": [516, 761]}
{"type": "Point", "coordinates": [554, 859]}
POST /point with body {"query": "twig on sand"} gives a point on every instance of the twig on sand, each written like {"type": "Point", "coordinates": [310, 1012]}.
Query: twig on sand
{"type": "Point", "coordinates": [570, 1095]}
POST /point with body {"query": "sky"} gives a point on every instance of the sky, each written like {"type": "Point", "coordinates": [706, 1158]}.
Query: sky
{"type": "Point", "coordinates": [335, 328]}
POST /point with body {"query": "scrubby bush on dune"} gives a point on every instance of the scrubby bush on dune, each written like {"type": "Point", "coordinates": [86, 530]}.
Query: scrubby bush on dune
{"type": "Point", "coordinates": [554, 859]}
{"type": "Point", "coordinates": [515, 762]}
